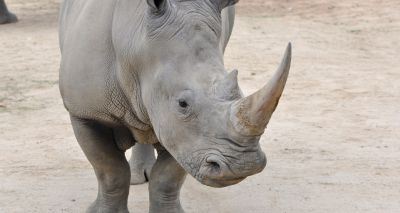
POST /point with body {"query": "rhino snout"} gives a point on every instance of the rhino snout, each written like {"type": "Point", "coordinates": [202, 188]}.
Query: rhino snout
{"type": "Point", "coordinates": [220, 171]}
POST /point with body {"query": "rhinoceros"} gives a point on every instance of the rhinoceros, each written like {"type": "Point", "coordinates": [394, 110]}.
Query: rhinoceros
{"type": "Point", "coordinates": [5, 15]}
{"type": "Point", "coordinates": [150, 74]}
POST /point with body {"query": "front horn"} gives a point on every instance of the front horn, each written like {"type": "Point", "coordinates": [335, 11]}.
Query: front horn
{"type": "Point", "coordinates": [250, 115]}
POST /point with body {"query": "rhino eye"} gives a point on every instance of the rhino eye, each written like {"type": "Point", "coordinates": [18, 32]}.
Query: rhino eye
{"type": "Point", "coordinates": [183, 103]}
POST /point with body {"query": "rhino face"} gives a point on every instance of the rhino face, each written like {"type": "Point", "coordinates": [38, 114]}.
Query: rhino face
{"type": "Point", "coordinates": [196, 108]}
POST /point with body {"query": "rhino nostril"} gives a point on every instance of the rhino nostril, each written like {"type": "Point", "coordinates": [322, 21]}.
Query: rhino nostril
{"type": "Point", "coordinates": [214, 166]}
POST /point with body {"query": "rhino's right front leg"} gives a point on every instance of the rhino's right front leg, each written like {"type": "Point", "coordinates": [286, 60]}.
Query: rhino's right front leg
{"type": "Point", "coordinates": [165, 183]}
{"type": "Point", "coordinates": [109, 163]}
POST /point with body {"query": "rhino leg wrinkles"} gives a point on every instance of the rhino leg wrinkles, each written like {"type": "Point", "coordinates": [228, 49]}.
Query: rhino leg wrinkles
{"type": "Point", "coordinates": [166, 180]}
{"type": "Point", "coordinates": [109, 162]}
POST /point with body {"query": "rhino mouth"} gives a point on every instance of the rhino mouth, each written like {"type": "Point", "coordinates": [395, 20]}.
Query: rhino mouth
{"type": "Point", "coordinates": [210, 173]}
{"type": "Point", "coordinates": [221, 183]}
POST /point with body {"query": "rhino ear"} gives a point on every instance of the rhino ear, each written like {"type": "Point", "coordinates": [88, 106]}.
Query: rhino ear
{"type": "Point", "coordinates": [226, 3]}
{"type": "Point", "coordinates": [156, 4]}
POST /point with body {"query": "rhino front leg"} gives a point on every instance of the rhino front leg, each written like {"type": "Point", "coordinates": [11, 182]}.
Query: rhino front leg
{"type": "Point", "coordinates": [141, 162]}
{"type": "Point", "coordinates": [109, 163]}
{"type": "Point", "coordinates": [5, 15]}
{"type": "Point", "coordinates": [165, 183]}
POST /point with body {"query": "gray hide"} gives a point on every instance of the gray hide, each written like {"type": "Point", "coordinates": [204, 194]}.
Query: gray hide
{"type": "Point", "coordinates": [5, 15]}
{"type": "Point", "coordinates": [151, 73]}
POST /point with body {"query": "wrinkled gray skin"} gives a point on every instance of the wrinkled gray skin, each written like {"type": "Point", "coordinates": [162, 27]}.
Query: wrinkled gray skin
{"type": "Point", "coordinates": [5, 15]}
{"type": "Point", "coordinates": [151, 73]}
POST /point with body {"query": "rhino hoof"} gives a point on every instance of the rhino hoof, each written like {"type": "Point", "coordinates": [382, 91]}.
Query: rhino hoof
{"type": "Point", "coordinates": [8, 18]}
{"type": "Point", "coordinates": [140, 174]}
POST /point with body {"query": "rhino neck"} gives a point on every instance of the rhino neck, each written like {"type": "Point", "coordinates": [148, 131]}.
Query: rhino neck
{"type": "Point", "coordinates": [127, 37]}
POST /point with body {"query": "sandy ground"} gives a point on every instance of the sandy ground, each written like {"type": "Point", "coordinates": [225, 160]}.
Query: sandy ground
{"type": "Point", "coordinates": [332, 145]}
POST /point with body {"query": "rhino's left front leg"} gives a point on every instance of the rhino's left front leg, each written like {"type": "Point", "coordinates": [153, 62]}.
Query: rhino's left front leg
{"type": "Point", "coordinates": [165, 183]}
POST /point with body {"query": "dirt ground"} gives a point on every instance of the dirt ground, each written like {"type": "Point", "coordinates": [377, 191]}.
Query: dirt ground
{"type": "Point", "coordinates": [333, 144]}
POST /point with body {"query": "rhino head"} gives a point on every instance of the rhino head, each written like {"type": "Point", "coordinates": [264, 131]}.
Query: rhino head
{"type": "Point", "coordinates": [196, 108]}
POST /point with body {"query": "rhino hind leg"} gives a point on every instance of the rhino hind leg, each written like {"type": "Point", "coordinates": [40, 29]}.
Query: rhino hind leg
{"type": "Point", "coordinates": [109, 163]}
{"type": "Point", "coordinates": [8, 18]}
{"type": "Point", "coordinates": [5, 15]}
{"type": "Point", "coordinates": [141, 163]}
{"type": "Point", "coordinates": [166, 180]}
